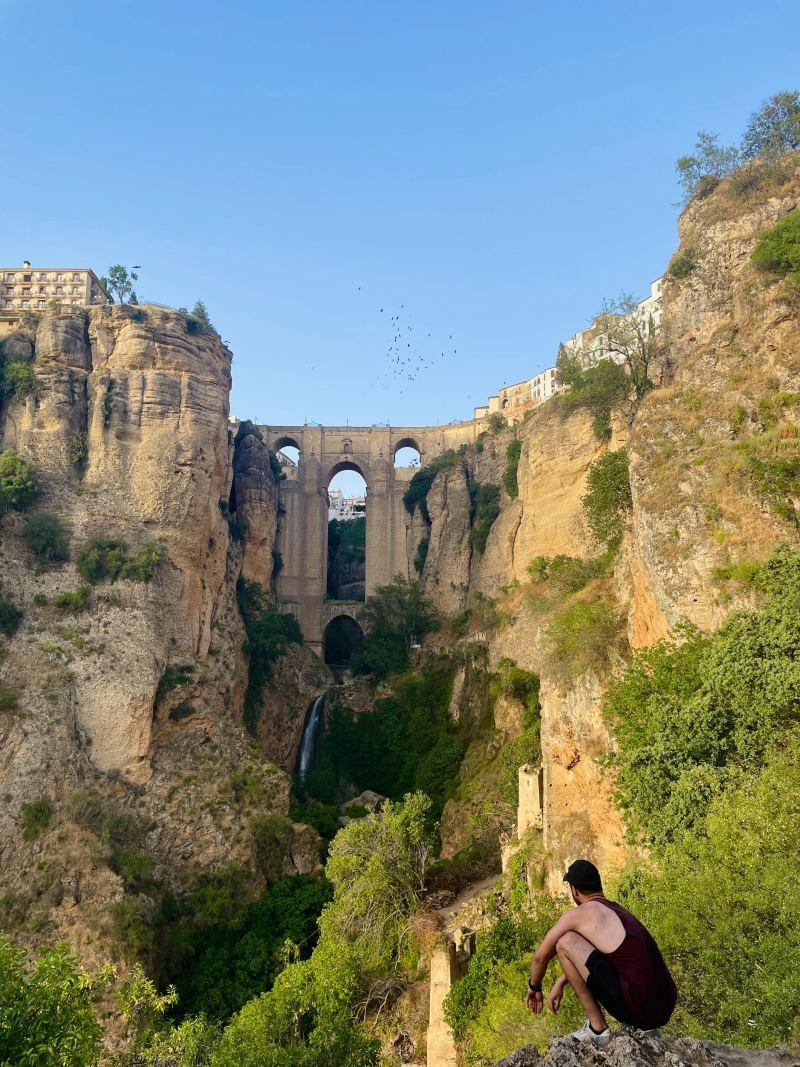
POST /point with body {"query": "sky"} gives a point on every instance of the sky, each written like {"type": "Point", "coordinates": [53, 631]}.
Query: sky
{"type": "Point", "coordinates": [473, 178]}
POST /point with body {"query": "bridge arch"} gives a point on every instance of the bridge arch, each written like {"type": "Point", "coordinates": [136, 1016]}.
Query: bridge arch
{"type": "Point", "coordinates": [346, 465]}
{"type": "Point", "coordinates": [284, 441]}
{"type": "Point", "coordinates": [341, 639]}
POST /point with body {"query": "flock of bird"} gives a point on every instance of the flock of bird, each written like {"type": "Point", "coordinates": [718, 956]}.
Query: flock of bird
{"type": "Point", "coordinates": [410, 352]}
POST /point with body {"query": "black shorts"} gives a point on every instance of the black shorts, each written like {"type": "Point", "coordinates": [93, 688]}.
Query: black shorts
{"type": "Point", "coordinates": [605, 987]}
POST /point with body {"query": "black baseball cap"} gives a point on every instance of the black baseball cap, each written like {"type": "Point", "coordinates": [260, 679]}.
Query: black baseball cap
{"type": "Point", "coordinates": [584, 876]}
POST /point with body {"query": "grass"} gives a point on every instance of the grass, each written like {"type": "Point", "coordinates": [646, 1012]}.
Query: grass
{"type": "Point", "coordinates": [582, 636]}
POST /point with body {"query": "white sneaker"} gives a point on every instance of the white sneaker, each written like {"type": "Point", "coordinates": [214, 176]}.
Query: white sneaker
{"type": "Point", "coordinates": [586, 1033]}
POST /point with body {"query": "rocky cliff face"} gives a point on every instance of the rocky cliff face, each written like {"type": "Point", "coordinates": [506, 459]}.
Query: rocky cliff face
{"type": "Point", "coordinates": [136, 694]}
{"type": "Point", "coordinates": [701, 503]}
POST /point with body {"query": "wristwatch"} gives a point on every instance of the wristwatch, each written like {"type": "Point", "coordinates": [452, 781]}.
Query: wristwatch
{"type": "Point", "coordinates": [534, 988]}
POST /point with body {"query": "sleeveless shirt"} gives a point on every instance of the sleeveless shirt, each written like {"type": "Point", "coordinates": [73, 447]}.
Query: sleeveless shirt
{"type": "Point", "coordinates": [647, 985]}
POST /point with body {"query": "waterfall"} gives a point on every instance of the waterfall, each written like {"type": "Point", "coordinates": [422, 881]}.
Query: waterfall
{"type": "Point", "coordinates": [308, 744]}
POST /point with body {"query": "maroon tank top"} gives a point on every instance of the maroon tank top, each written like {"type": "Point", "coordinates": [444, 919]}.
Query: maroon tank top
{"type": "Point", "coordinates": [647, 985]}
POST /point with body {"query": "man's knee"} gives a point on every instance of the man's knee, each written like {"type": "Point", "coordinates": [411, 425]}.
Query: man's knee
{"type": "Point", "coordinates": [567, 943]}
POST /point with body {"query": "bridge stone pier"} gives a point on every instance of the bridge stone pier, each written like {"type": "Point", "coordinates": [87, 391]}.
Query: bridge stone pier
{"type": "Point", "coordinates": [302, 538]}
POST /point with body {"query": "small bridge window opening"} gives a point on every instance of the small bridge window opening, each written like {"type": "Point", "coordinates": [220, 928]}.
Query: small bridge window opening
{"type": "Point", "coordinates": [407, 455]}
{"type": "Point", "coordinates": [347, 535]}
{"type": "Point", "coordinates": [343, 637]}
{"type": "Point", "coordinates": [288, 453]}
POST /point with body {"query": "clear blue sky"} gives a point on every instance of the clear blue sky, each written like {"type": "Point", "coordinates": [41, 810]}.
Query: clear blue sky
{"type": "Point", "coordinates": [494, 169]}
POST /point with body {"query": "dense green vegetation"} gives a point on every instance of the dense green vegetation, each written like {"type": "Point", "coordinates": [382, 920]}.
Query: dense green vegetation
{"type": "Point", "coordinates": [778, 248]}
{"type": "Point", "coordinates": [421, 554]}
{"type": "Point", "coordinates": [107, 559]}
{"type": "Point", "coordinates": [485, 1009]}
{"type": "Point", "coordinates": [708, 774]}
{"type": "Point", "coordinates": [347, 540]}
{"type": "Point", "coordinates": [485, 499]}
{"type": "Point", "coordinates": [597, 389]}
{"type": "Point", "coordinates": [513, 452]}
{"type": "Point", "coordinates": [269, 634]}
{"type": "Point", "coordinates": [608, 498]}
{"type": "Point", "coordinates": [10, 615]}
{"type": "Point", "coordinates": [19, 485]}
{"type": "Point", "coordinates": [419, 486]}
{"type": "Point", "coordinates": [395, 614]}
{"type": "Point", "coordinates": [45, 537]}
{"type": "Point", "coordinates": [409, 742]}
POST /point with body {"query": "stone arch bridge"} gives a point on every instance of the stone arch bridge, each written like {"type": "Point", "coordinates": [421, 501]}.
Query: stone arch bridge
{"type": "Point", "coordinates": [303, 509]}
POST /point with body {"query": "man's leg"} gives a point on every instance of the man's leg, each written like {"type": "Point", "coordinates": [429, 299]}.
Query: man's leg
{"type": "Point", "coordinates": [573, 951]}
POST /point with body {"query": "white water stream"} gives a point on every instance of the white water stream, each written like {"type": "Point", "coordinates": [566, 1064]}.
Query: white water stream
{"type": "Point", "coordinates": [309, 741]}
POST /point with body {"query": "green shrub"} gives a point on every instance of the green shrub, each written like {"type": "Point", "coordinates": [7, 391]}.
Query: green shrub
{"type": "Point", "coordinates": [582, 637]}
{"type": "Point", "coordinates": [10, 616]}
{"type": "Point", "coordinates": [47, 1013]}
{"type": "Point", "coordinates": [778, 248]}
{"type": "Point", "coordinates": [485, 509]}
{"type": "Point", "coordinates": [134, 867]}
{"type": "Point", "coordinates": [270, 834]}
{"type": "Point", "coordinates": [598, 389]}
{"type": "Point", "coordinates": [108, 403]}
{"type": "Point", "coordinates": [682, 265]}
{"type": "Point", "coordinates": [40, 600]}
{"type": "Point", "coordinates": [142, 566]}
{"type": "Point", "coordinates": [18, 380]}
{"type": "Point", "coordinates": [78, 451]}
{"type": "Point", "coordinates": [608, 498]}
{"type": "Point", "coordinates": [102, 558]}
{"type": "Point", "coordinates": [269, 633]}
{"type": "Point", "coordinates": [419, 486]}
{"type": "Point", "coordinates": [776, 476]}
{"type": "Point", "coordinates": [19, 487]}
{"type": "Point", "coordinates": [174, 677]}
{"type": "Point", "coordinates": [9, 700]}
{"type": "Point", "coordinates": [35, 817]}
{"type": "Point", "coordinates": [496, 423]}
{"type": "Point", "coordinates": [513, 453]}
{"type": "Point", "coordinates": [569, 574]}
{"type": "Point", "coordinates": [45, 538]}
{"type": "Point", "coordinates": [182, 711]}
{"type": "Point", "coordinates": [72, 602]}
{"type": "Point", "coordinates": [276, 468]}
{"type": "Point", "coordinates": [421, 554]}
{"type": "Point", "coordinates": [107, 558]}
{"type": "Point", "coordinates": [324, 818]}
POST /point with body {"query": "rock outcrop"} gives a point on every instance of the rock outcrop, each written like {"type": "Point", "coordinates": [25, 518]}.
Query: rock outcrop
{"type": "Point", "coordinates": [631, 1048]}
{"type": "Point", "coordinates": [129, 698]}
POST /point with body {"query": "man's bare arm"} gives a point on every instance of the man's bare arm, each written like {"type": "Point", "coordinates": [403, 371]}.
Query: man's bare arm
{"type": "Point", "coordinates": [545, 952]}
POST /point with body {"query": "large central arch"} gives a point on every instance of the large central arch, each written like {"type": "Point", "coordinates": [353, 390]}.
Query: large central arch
{"type": "Point", "coordinates": [302, 538]}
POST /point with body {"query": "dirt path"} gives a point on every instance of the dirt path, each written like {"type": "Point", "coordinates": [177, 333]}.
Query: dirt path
{"type": "Point", "coordinates": [449, 914]}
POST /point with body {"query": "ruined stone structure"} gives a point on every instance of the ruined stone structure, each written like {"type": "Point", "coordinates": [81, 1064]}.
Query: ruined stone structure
{"type": "Point", "coordinates": [303, 506]}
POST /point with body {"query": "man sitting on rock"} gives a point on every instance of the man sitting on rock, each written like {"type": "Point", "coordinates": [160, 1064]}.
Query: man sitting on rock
{"type": "Point", "coordinates": [609, 959]}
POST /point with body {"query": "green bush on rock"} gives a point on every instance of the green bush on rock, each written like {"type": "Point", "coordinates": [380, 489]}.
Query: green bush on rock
{"type": "Point", "coordinates": [19, 486]}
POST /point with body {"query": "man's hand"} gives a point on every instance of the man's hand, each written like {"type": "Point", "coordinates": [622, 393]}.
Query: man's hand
{"type": "Point", "coordinates": [556, 993]}
{"type": "Point", "coordinates": [534, 1002]}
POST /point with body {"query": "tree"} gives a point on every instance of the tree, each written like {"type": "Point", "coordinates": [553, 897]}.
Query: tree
{"type": "Point", "coordinates": [774, 129]}
{"type": "Point", "coordinates": [391, 617]}
{"type": "Point", "coordinates": [200, 313]}
{"type": "Point", "coordinates": [46, 1013]}
{"type": "Point", "coordinates": [631, 341]}
{"type": "Point", "coordinates": [19, 486]}
{"type": "Point", "coordinates": [700, 173]}
{"type": "Point", "coordinates": [120, 282]}
{"type": "Point", "coordinates": [45, 538]}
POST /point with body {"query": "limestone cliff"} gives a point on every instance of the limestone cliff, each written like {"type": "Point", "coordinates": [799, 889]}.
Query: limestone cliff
{"type": "Point", "coordinates": [132, 695]}
{"type": "Point", "coordinates": [697, 447]}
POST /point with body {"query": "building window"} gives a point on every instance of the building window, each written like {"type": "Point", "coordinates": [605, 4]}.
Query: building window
{"type": "Point", "coordinates": [40, 303]}
{"type": "Point", "coordinates": [26, 303]}
{"type": "Point", "coordinates": [59, 289]}
{"type": "Point", "coordinates": [10, 277]}
{"type": "Point", "coordinates": [74, 290]}
{"type": "Point", "coordinates": [42, 276]}
{"type": "Point", "coordinates": [59, 277]}
{"type": "Point", "coordinates": [76, 277]}
{"type": "Point", "coordinates": [26, 277]}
